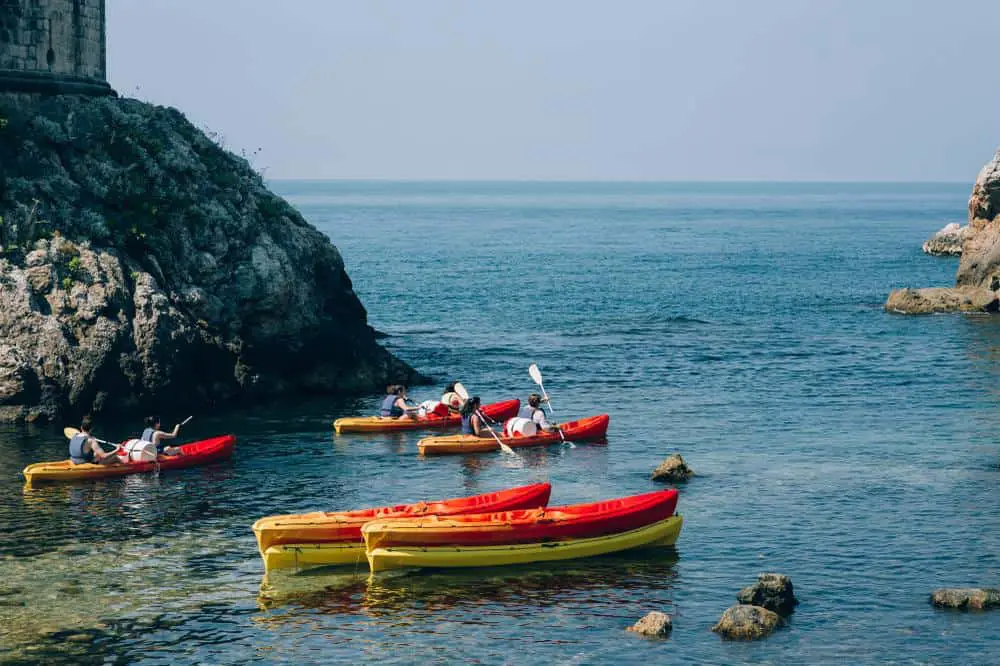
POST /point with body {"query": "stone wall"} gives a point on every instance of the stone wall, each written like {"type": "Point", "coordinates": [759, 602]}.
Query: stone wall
{"type": "Point", "coordinates": [53, 46]}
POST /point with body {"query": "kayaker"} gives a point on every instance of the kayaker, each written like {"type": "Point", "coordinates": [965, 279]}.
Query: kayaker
{"type": "Point", "coordinates": [394, 405]}
{"type": "Point", "coordinates": [153, 434]}
{"type": "Point", "coordinates": [83, 448]}
{"type": "Point", "coordinates": [534, 411]}
{"type": "Point", "coordinates": [472, 423]}
{"type": "Point", "coordinates": [452, 399]}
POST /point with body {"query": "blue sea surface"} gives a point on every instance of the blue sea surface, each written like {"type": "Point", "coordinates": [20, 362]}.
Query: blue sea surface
{"type": "Point", "coordinates": [739, 324]}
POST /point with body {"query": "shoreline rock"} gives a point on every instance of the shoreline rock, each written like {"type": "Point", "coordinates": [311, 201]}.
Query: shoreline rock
{"type": "Point", "coordinates": [966, 598]}
{"type": "Point", "coordinates": [948, 241]}
{"type": "Point", "coordinates": [654, 624]}
{"type": "Point", "coordinates": [772, 591]}
{"type": "Point", "coordinates": [747, 623]}
{"type": "Point", "coordinates": [673, 469]}
{"type": "Point", "coordinates": [942, 299]}
{"type": "Point", "coordinates": [143, 267]}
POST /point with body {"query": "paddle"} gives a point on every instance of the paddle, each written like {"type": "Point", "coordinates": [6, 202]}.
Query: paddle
{"type": "Point", "coordinates": [536, 376]}
{"type": "Point", "coordinates": [464, 395]}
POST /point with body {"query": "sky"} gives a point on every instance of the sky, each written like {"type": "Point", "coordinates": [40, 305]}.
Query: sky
{"type": "Point", "coordinates": [855, 90]}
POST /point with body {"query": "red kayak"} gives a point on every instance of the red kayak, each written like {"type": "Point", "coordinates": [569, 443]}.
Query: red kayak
{"type": "Point", "coordinates": [589, 429]}
{"type": "Point", "coordinates": [497, 411]}
{"type": "Point", "coordinates": [557, 523]}
{"type": "Point", "coordinates": [195, 453]}
{"type": "Point", "coordinates": [338, 526]}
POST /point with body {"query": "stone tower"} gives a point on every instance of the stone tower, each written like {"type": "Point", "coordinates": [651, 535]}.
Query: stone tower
{"type": "Point", "coordinates": [53, 46]}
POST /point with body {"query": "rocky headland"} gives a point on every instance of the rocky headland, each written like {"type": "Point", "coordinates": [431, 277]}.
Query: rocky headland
{"type": "Point", "coordinates": [977, 281]}
{"type": "Point", "coordinates": [144, 267]}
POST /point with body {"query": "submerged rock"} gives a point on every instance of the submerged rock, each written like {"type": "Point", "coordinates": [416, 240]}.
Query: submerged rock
{"type": "Point", "coordinates": [771, 591]}
{"type": "Point", "coordinates": [979, 269]}
{"type": "Point", "coordinates": [747, 623]}
{"type": "Point", "coordinates": [948, 241]}
{"type": "Point", "coordinates": [654, 624]}
{"type": "Point", "coordinates": [143, 266]}
{"type": "Point", "coordinates": [672, 470]}
{"type": "Point", "coordinates": [966, 597]}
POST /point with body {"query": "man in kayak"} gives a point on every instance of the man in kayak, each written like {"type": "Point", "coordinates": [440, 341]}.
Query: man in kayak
{"type": "Point", "coordinates": [83, 448]}
{"type": "Point", "coordinates": [153, 434]}
{"type": "Point", "coordinates": [394, 405]}
{"type": "Point", "coordinates": [534, 411]}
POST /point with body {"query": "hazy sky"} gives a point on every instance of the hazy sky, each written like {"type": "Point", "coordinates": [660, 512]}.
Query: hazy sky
{"type": "Point", "coordinates": [630, 89]}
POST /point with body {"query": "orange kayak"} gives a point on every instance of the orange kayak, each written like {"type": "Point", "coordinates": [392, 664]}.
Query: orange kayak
{"type": "Point", "coordinates": [345, 526]}
{"type": "Point", "coordinates": [583, 430]}
{"type": "Point", "coordinates": [193, 454]}
{"type": "Point", "coordinates": [542, 525]}
{"type": "Point", "coordinates": [497, 411]}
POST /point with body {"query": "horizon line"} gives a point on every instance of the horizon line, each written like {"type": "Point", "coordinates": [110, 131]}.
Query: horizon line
{"type": "Point", "coordinates": [618, 180]}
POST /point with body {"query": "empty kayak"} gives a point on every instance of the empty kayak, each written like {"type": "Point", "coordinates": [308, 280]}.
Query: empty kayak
{"type": "Point", "coordinates": [335, 537]}
{"type": "Point", "coordinates": [583, 430]}
{"type": "Point", "coordinates": [498, 411]}
{"type": "Point", "coordinates": [193, 454]}
{"type": "Point", "coordinates": [659, 534]}
{"type": "Point", "coordinates": [557, 523]}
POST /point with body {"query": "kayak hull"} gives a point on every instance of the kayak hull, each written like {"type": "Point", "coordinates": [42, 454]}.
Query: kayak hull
{"type": "Point", "coordinates": [498, 411]}
{"type": "Point", "coordinates": [309, 555]}
{"type": "Point", "coordinates": [345, 526]}
{"type": "Point", "coordinates": [660, 534]}
{"type": "Point", "coordinates": [583, 430]}
{"type": "Point", "coordinates": [558, 523]}
{"type": "Point", "coordinates": [196, 453]}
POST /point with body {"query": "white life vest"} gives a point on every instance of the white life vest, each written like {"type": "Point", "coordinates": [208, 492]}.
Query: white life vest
{"type": "Point", "coordinates": [519, 427]}
{"type": "Point", "coordinates": [138, 450]}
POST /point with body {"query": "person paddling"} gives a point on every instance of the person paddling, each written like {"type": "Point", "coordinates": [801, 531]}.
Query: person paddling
{"type": "Point", "coordinates": [153, 434]}
{"type": "Point", "coordinates": [83, 447]}
{"type": "Point", "coordinates": [394, 405]}
{"type": "Point", "coordinates": [534, 412]}
{"type": "Point", "coordinates": [472, 423]}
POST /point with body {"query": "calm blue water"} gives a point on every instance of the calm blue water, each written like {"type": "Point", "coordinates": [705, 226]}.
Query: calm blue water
{"type": "Point", "coordinates": [738, 324]}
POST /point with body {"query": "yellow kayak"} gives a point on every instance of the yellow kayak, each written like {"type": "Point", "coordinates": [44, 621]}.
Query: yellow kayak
{"type": "Point", "coordinates": [662, 533]}
{"type": "Point", "coordinates": [498, 411]}
{"type": "Point", "coordinates": [307, 555]}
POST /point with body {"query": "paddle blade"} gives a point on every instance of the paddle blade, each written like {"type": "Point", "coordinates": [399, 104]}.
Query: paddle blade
{"type": "Point", "coordinates": [70, 432]}
{"type": "Point", "coordinates": [536, 374]}
{"type": "Point", "coordinates": [460, 390]}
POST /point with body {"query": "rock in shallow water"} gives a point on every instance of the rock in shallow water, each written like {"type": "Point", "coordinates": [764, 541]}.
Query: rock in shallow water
{"type": "Point", "coordinates": [942, 299]}
{"type": "Point", "coordinates": [672, 470]}
{"type": "Point", "coordinates": [948, 241]}
{"type": "Point", "coordinates": [966, 597]}
{"type": "Point", "coordinates": [771, 591]}
{"type": "Point", "coordinates": [747, 623]}
{"type": "Point", "coordinates": [654, 624]}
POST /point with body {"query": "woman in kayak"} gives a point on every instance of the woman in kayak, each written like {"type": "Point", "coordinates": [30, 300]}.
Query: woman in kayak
{"type": "Point", "coordinates": [153, 434]}
{"type": "Point", "coordinates": [472, 422]}
{"type": "Point", "coordinates": [394, 405]}
{"type": "Point", "coordinates": [83, 448]}
{"type": "Point", "coordinates": [534, 411]}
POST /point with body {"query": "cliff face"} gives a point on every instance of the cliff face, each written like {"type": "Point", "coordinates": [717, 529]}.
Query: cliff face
{"type": "Point", "coordinates": [144, 266]}
{"type": "Point", "coordinates": [977, 281]}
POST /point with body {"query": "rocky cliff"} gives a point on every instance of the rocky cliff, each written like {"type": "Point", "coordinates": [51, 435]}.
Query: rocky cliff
{"type": "Point", "coordinates": [142, 266]}
{"type": "Point", "coordinates": [977, 282]}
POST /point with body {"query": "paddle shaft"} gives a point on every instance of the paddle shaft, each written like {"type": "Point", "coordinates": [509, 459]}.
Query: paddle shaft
{"type": "Point", "coordinates": [503, 447]}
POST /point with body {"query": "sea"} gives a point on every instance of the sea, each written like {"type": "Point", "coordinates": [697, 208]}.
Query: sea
{"type": "Point", "coordinates": [740, 325]}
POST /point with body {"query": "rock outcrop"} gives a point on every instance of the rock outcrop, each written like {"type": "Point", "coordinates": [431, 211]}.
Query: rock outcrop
{"type": "Point", "coordinates": [747, 623]}
{"type": "Point", "coordinates": [948, 241]}
{"type": "Point", "coordinates": [142, 265]}
{"type": "Point", "coordinates": [654, 624]}
{"type": "Point", "coordinates": [673, 469]}
{"type": "Point", "coordinates": [976, 598]}
{"type": "Point", "coordinates": [771, 591]}
{"type": "Point", "coordinates": [979, 268]}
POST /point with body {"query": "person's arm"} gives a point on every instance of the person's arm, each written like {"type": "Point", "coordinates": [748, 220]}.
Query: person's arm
{"type": "Point", "coordinates": [477, 426]}
{"type": "Point", "coordinates": [161, 434]}
{"type": "Point", "coordinates": [541, 421]}
{"type": "Point", "coordinates": [99, 453]}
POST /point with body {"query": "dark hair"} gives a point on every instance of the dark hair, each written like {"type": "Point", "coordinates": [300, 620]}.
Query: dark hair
{"type": "Point", "coordinates": [86, 423]}
{"type": "Point", "coordinates": [534, 400]}
{"type": "Point", "coordinates": [450, 388]}
{"type": "Point", "coordinates": [151, 421]}
{"type": "Point", "coordinates": [399, 389]}
{"type": "Point", "coordinates": [470, 406]}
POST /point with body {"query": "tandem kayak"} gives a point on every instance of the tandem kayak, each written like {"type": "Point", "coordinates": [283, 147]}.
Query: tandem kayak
{"type": "Point", "coordinates": [193, 454]}
{"type": "Point", "coordinates": [497, 411]}
{"type": "Point", "coordinates": [659, 534]}
{"type": "Point", "coordinates": [583, 430]}
{"type": "Point", "coordinates": [557, 523]}
{"type": "Point", "coordinates": [331, 538]}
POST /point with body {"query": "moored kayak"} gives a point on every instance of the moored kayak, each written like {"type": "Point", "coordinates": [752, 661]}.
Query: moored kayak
{"type": "Point", "coordinates": [335, 537]}
{"type": "Point", "coordinates": [193, 454]}
{"type": "Point", "coordinates": [659, 534]}
{"type": "Point", "coordinates": [557, 523]}
{"type": "Point", "coordinates": [497, 411]}
{"type": "Point", "coordinates": [582, 430]}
